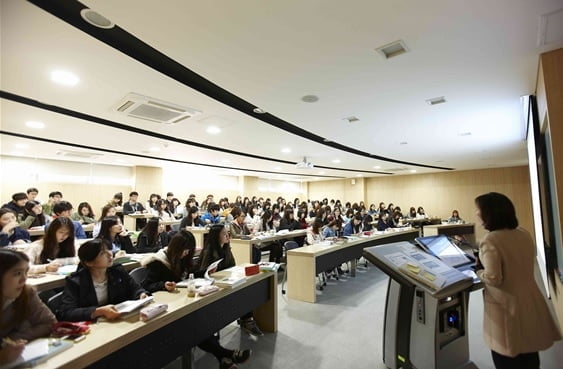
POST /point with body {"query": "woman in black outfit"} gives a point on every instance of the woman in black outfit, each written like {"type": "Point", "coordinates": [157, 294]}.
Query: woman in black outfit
{"type": "Point", "coordinates": [153, 237]}
{"type": "Point", "coordinates": [218, 247]}
{"type": "Point", "coordinates": [173, 264]}
{"type": "Point", "coordinates": [191, 219]}
{"type": "Point", "coordinates": [112, 231]}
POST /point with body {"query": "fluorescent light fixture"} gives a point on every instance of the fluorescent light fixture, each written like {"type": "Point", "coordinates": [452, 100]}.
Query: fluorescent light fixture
{"type": "Point", "coordinates": [64, 78]}
{"type": "Point", "coordinates": [286, 150]}
{"type": "Point", "coordinates": [212, 130]}
{"type": "Point", "coordinates": [336, 161]}
{"type": "Point", "coordinates": [35, 124]}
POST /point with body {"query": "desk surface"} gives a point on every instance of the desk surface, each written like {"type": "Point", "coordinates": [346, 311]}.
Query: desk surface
{"type": "Point", "coordinates": [40, 231]}
{"type": "Point", "coordinates": [43, 282]}
{"type": "Point", "coordinates": [114, 341]}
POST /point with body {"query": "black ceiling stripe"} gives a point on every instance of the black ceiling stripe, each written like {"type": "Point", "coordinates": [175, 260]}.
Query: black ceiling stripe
{"type": "Point", "coordinates": [108, 123]}
{"type": "Point", "coordinates": [58, 142]}
{"type": "Point", "coordinates": [118, 38]}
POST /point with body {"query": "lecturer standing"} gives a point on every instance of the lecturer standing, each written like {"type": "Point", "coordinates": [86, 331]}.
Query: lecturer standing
{"type": "Point", "coordinates": [517, 321]}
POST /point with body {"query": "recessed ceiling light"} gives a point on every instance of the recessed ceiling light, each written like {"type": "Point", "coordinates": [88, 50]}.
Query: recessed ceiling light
{"type": "Point", "coordinates": [286, 150]}
{"type": "Point", "coordinates": [96, 19]}
{"type": "Point", "coordinates": [358, 175]}
{"type": "Point", "coordinates": [412, 170]}
{"type": "Point", "coordinates": [310, 98]}
{"type": "Point", "coordinates": [436, 100]}
{"type": "Point", "coordinates": [377, 167]}
{"type": "Point", "coordinates": [259, 111]}
{"type": "Point", "coordinates": [154, 148]}
{"type": "Point", "coordinates": [321, 173]}
{"type": "Point", "coordinates": [65, 78]}
{"type": "Point", "coordinates": [22, 146]}
{"type": "Point", "coordinates": [336, 161]}
{"type": "Point", "coordinates": [35, 124]}
{"type": "Point", "coordinates": [212, 130]}
{"type": "Point", "coordinates": [277, 168]}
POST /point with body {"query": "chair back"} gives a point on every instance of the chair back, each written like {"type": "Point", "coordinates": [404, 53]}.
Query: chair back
{"type": "Point", "coordinates": [139, 274]}
{"type": "Point", "coordinates": [54, 302]}
{"type": "Point", "coordinates": [290, 245]}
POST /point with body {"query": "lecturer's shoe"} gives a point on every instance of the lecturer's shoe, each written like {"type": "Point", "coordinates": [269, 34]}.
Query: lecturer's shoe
{"type": "Point", "coordinates": [227, 363]}
{"type": "Point", "coordinates": [241, 356]}
{"type": "Point", "coordinates": [250, 326]}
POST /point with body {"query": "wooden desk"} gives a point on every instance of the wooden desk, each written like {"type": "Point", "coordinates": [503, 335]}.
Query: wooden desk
{"type": "Point", "coordinates": [130, 220]}
{"type": "Point", "coordinates": [466, 229]}
{"type": "Point", "coordinates": [199, 234]}
{"type": "Point", "coordinates": [304, 263]}
{"type": "Point", "coordinates": [49, 281]}
{"type": "Point", "coordinates": [41, 231]}
{"type": "Point", "coordinates": [242, 249]}
{"type": "Point", "coordinates": [134, 344]}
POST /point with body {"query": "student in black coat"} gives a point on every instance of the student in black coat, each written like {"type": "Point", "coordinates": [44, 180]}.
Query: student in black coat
{"type": "Point", "coordinates": [112, 230]}
{"type": "Point", "coordinates": [97, 286]}
{"type": "Point", "coordinates": [153, 237]}
{"type": "Point", "coordinates": [173, 264]}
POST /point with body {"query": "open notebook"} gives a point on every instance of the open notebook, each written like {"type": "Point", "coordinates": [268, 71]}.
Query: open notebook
{"type": "Point", "coordinates": [38, 351]}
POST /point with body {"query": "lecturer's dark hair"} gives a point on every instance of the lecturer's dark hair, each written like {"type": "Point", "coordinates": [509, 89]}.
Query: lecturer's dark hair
{"type": "Point", "coordinates": [497, 211]}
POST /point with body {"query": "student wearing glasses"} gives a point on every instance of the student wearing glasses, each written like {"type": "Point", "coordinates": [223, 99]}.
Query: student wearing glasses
{"type": "Point", "coordinates": [173, 264]}
{"type": "Point", "coordinates": [218, 247]}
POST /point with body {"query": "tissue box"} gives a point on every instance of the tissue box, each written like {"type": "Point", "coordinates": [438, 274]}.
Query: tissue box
{"type": "Point", "coordinates": [251, 269]}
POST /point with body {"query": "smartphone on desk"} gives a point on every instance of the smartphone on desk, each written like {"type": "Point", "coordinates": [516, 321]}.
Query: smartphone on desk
{"type": "Point", "coordinates": [75, 337]}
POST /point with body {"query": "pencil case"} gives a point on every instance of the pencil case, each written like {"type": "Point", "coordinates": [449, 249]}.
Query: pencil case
{"type": "Point", "coordinates": [151, 311]}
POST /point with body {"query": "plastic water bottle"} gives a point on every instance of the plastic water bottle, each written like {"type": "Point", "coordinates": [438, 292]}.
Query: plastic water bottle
{"type": "Point", "coordinates": [191, 285]}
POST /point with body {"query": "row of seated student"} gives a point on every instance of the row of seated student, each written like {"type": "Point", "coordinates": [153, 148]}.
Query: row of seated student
{"type": "Point", "coordinates": [98, 284]}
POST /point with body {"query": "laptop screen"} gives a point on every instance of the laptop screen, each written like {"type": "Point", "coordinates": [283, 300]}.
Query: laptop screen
{"type": "Point", "coordinates": [441, 247]}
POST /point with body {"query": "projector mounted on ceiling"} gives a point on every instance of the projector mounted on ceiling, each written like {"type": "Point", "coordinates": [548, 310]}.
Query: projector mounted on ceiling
{"type": "Point", "coordinates": [304, 164]}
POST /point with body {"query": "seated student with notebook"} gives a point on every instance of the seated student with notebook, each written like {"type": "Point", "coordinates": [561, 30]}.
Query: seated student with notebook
{"type": "Point", "coordinates": [354, 225]}
{"type": "Point", "coordinates": [173, 264]}
{"type": "Point", "coordinates": [95, 289]}
{"type": "Point", "coordinates": [57, 247]}
{"type": "Point", "coordinates": [218, 247]}
{"type": "Point", "coordinates": [23, 317]}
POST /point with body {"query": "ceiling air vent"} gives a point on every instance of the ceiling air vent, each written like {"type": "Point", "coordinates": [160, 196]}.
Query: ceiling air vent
{"type": "Point", "coordinates": [154, 110]}
{"type": "Point", "coordinates": [78, 154]}
{"type": "Point", "coordinates": [393, 49]}
{"type": "Point", "coordinates": [395, 170]}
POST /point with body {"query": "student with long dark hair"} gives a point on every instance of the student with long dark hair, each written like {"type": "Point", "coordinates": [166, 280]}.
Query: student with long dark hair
{"type": "Point", "coordinates": [192, 218]}
{"type": "Point", "coordinates": [153, 237]}
{"type": "Point", "coordinates": [94, 290]}
{"type": "Point", "coordinates": [173, 264]}
{"type": "Point", "coordinates": [107, 211]}
{"type": "Point", "coordinates": [112, 231]}
{"type": "Point", "coordinates": [58, 247]}
{"type": "Point", "coordinates": [23, 316]}
{"type": "Point", "coordinates": [218, 247]}
{"type": "Point", "coordinates": [32, 216]}
{"type": "Point", "coordinates": [162, 210]}
{"type": "Point", "coordinates": [517, 322]}
{"type": "Point", "coordinates": [84, 215]}
{"type": "Point", "coordinates": [267, 225]}
{"type": "Point", "coordinates": [10, 232]}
